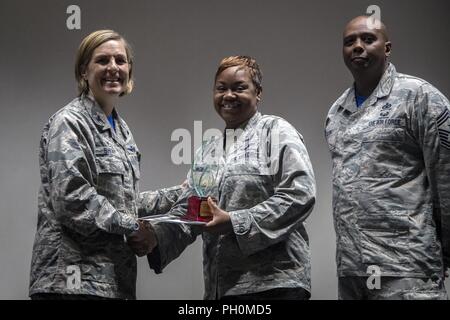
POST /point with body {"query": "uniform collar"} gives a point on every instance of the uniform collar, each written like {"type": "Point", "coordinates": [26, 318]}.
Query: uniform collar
{"type": "Point", "coordinates": [386, 83]}
{"type": "Point", "coordinates": [382, 90]}
{"type": "Point", "coordinates": [100, 119]}
{"type": "Point", "coordinates": [251, 123]}
{"type": "Point", "coordinates": [96, 112]}
{"type": "Point", "coordinates": [245, 130]}
{"type": "Point", "coordinates": [246, 126]}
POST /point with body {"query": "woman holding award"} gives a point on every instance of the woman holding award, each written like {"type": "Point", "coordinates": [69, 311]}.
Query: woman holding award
{"type": "Point", "coordinates": [259, 185]}
{"type": "Point", "coordinates": [89, 197]}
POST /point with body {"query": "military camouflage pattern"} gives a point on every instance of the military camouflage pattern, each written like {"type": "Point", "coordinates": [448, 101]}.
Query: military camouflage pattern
{"type": "Point", "coordinates": [88, 201]}
{"type": "Point", "coordinates": [391, 183]}
{"type": "Point", "coordinates": [392, 288]}
{"type": "Point", "coordinates": [268, 247]}
{"type": "Point", "coordinates": [157, 202]}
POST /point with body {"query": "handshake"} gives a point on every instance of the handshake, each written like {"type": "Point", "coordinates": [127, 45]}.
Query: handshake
{"type": "Point", "coordinates": [143, 240]}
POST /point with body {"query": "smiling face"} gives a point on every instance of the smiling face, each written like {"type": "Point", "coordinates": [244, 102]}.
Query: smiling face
{"type": "Point", "coordinates": [235, 96]}
{"type": "Point", "coordinates": [108, 70]}
{"type": "Point", "coordinates": [365, 49]}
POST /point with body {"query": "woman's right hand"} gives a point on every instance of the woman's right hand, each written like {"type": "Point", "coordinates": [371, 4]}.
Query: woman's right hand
{"type": "Point", "coordinates": [142, 241]}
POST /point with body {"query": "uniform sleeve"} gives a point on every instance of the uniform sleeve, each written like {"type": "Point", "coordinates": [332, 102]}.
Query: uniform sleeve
{"type": "Point", "coordinates": [432, 125]}
{"type": "Point", "coordinates": [75, 201]}
{"type": "Point", "coordinates": [172, 238]}
{"type": "Point", "coordinates": [158, 202]}
{"type": "Point", "coordinates": [272, 220]}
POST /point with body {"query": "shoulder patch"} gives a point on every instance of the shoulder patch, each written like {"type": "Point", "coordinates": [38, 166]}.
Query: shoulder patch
{"type": "Point", "coordinates": [443, 124]}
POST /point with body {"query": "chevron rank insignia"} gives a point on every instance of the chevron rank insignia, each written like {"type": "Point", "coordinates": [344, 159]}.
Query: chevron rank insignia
{"type": "Point", "coordinates": [443, 124]}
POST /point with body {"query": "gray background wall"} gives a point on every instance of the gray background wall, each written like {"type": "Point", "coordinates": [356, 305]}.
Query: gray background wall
{"type": "Point", "coordinates": [178, 45]}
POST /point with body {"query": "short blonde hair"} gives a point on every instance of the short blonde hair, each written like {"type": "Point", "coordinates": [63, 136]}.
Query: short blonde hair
{"type": "Point", "coordinates": [246, 62]}
{"type": "Point", "coordinates": [84, 55]}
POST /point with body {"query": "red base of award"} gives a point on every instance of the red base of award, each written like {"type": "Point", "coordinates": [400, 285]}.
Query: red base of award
{"type": "Point", "coordinates": [198, 209]}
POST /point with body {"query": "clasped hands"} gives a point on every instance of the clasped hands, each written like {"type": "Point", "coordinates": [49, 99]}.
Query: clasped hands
{"type": "Point", "coordinates": [144, 240]}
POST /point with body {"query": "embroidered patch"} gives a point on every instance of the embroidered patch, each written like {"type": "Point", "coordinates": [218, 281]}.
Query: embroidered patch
{"type": "Point", "coordinates": [103, 151]}
{"type": "Point", "coordinates": [387, 106]}
{"type": "Point", "coordinates": [443, 123]}
{"type": "Point", "coordinates": [386, 109]}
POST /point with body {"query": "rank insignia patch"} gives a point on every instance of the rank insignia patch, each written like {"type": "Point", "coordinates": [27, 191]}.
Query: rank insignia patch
{"type": "Point", "coordinates": [443, 124]}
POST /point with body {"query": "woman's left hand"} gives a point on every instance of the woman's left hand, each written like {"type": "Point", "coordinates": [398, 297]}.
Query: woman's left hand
{"type": "Point", "coordinates": [221, 222]}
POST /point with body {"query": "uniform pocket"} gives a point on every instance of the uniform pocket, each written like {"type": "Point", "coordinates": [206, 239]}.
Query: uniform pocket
{"type": "Point", "coordinates": [245, 186]}
{"type": "Point", "coordinates": [111, 172]}
{"type": "Point", "coordinates": [135, 158]}
{"type": "Point", "coordinates": [384, 238]}
{"type": "Point", "coordinates": [382, 153]}
{"type": "Point", "coordinates": [103, 272]}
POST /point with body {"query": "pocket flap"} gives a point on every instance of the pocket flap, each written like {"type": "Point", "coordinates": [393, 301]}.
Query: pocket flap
{"type": "Point", "coordinates": [108, 164]}
{"type": "Point", "coordinates": [393, 221]}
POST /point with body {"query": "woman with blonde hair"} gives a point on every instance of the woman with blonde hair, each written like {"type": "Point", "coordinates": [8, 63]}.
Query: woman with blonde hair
{"type": "Point", "coordinates": [89, 196]}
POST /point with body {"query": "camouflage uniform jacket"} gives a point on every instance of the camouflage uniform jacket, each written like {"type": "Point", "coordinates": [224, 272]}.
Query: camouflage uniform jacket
{"type": "Point", "coordinates": [88, 201]}
{"type": "Point", "coordinates": [391, 182]}
{"type": "Point", "coordinates": [268, 199]}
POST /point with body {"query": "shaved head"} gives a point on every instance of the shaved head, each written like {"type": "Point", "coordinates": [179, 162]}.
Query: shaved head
{"type": "Point", "coordinates": [371, 23]}
{"type": "Point", "coordinates": [366, 49]}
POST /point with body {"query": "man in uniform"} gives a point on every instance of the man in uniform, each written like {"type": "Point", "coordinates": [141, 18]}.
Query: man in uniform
{"type": "Point", "coordinates": [389, 140]}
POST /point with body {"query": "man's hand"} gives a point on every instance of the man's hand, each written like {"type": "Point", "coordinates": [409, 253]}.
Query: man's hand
{"type": "Point", "coordinates": [142, 241]}
{"type": "Point", "coordinates": [221, 222]}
